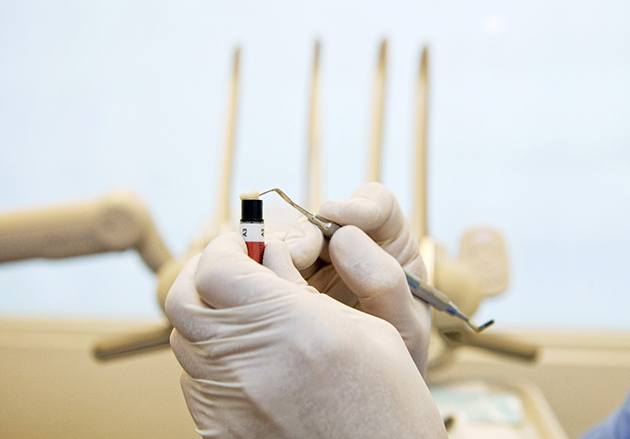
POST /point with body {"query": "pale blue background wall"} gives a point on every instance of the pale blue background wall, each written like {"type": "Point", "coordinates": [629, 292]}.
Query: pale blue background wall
{"type": "Point", "coordinates": [531, 103]}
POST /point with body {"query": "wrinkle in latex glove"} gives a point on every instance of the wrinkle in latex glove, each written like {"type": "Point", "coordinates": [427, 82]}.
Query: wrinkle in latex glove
{"type": "Point", "coordinates": [361, 266]}
{"type": "Point", "coordinates": [266, 356]}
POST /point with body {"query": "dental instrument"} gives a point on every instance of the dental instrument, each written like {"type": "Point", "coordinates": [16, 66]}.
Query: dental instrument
{"type": "Point", "coordinates": [419, 288]}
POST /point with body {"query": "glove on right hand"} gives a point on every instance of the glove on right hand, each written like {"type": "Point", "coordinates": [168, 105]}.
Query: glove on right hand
{"type": "Point", "coordinates": [363, 264]}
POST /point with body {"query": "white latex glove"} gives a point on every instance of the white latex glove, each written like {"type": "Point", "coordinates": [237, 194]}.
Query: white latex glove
{"type": "Point", "coordinates": [266, 356]}
{"type": "Point", "coordinates": [362, 264]}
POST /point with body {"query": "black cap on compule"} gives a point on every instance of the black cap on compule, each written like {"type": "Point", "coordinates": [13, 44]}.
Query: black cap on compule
{"type": "Point", "coordinates": [251, 211]}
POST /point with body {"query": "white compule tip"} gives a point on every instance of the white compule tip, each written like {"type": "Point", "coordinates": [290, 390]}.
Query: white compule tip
{"type": "Point", "coordinates": [253, 195]}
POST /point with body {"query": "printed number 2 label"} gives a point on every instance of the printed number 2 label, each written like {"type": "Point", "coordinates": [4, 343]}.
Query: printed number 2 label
{"type": "Point", "coordinates": [253, 232]}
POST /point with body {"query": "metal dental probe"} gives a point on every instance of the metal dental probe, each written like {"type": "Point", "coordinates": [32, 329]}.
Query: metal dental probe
{"type": "Point", "coordinates": [419, 289]}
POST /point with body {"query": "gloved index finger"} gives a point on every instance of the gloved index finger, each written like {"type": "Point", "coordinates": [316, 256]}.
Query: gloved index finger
{"type": "Point", "coordinates": [372, 208]}
{"type": "Point", "coordinates": [227, 277]}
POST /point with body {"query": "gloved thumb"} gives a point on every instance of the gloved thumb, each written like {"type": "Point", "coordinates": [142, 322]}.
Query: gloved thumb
{"type": "Point", "coordinates": [379, 282]}
{"type": "Point", "coordinates": [278, 259]}
{"type": "Point", "coordinates": [372, 274]}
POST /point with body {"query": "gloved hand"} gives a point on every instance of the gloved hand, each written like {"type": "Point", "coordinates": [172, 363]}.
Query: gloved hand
{"type": "Point", "coordinates": [361, 266]}
{"type": "Point", "coordinates": [266, 356]}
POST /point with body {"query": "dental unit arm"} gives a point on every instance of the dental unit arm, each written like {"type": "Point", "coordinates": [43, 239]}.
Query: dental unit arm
{"type": "Point", "coordinates": [116, 222]}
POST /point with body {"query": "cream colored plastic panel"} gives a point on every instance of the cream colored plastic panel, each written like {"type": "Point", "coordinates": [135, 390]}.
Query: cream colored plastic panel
{"type": "Point", "coordinates": [53, 388]}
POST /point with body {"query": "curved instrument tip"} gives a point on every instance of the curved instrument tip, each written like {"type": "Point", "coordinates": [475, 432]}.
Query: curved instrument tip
{"type": "Point", "coordinates": [485, 325]}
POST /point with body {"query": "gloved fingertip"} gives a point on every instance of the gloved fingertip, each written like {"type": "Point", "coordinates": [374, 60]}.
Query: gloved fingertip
{"type": "Point", "coordinates": [275, 235]}
{"type": "Point", "coordinates": [347, 241]}
{"type": "Point", "coordinates": [358, 211]}
{"type": "Point", "coordinates": [230, 242]}
{"type": "Point", "coordinates": [367, 269]}
{"type": "Point", "coordinates": [224, 264]}
{"type": "Point", "coordinates": [278, 259]}
{"type": "Point", "coordinates": [304, 242]}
